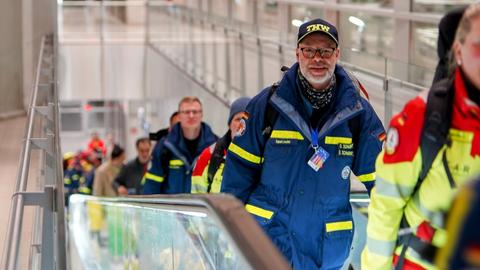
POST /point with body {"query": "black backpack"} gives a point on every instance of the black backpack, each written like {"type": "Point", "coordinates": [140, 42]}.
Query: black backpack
{"type": "Point", "coordinates": [218, 157]}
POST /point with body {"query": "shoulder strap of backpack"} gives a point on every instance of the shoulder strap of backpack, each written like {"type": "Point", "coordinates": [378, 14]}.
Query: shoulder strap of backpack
{"type": "Point", "coordinates": [271, 114]}
{"type": "Point", "coordinates": [435, 128]}
{"type": "Point", "coordinates": [218, 157]}
{"type": "Point", "coordinates": [165, 157]}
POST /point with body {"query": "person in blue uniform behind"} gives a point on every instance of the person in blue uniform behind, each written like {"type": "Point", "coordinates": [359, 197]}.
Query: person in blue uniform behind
{"type": "Point", "coordinates": [174, 155]}
{"type": "Point", "coordinates": [296, 181]}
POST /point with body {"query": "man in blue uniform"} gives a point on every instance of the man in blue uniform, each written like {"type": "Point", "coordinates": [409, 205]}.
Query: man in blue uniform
{"type": "Point", "coordinates": [295, 177]}
{"type": "Point", "coordinates": [174, 155]}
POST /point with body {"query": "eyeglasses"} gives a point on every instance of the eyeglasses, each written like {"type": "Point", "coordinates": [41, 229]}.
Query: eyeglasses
{"type": "Point", "coordinates": [188, 112]}
{"type": "Point", "coordinates": [309, 52]}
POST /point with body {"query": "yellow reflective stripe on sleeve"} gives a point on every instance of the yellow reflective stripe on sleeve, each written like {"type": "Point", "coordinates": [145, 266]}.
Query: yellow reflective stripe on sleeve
{"type": "Point", "coordinates": [244, 154]}
{"type": "Point", "coordinates": [339, 226]}
{"type": "Point", "coordinates": [67, 181]}
{"type": "Point", "coordinates": [259, 211]}
{"type": "Point", "coordinates": [153, 177]}
{"type": "Point", "coordinates": [385, 188]}
{"type": "Point", "coordinates": [366, 177]}
{"type": "Point", "coordinates": [337, 140]}
{"type": "Point", "coordinates": [381, 247]}
{"type": "Point", "coordinates": [286, 134]}
{"type": "Point", "coordinates": [199, 188]}
{"type": "Point", "coordinates": [176, 162]}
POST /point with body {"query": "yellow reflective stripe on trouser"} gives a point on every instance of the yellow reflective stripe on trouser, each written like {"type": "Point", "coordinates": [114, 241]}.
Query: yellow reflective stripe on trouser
{"type": "Point", "coordinates": [259, 211]}
{"type": "Point", "coordinates": [153, 177]}
{"type": "Point", "coordinates": [244, 154]}
{"type": "Point", "coordinates": [337, 140]}
{"type": "Point", "coordinates": [286, 134]}
{"type": "Point", "coordinates": [366, 177]}
{"type": "Point", "coordinates": [339, 226]}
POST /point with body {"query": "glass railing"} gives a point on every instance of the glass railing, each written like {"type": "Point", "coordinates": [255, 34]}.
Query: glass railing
{"type": "Point", "coordinates": [202, 232]}
{"type": "Point", "coordinates": [181, 232]}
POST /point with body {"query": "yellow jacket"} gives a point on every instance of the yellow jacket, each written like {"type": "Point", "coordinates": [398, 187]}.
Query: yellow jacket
{"type": "Point", "coordinates": [398, 167]}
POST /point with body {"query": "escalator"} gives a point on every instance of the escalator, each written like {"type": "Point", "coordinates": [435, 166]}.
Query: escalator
{"type": "Point", "coordinates": [167, 232]}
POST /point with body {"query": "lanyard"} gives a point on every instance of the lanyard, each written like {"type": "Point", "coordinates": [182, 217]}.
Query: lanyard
{"type": "Point", "coordinates": [314, 138]}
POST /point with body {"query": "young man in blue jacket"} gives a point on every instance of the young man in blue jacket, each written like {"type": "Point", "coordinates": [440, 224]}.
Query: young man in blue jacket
{"type": "Point", "coordinates": [294, 177]}
{"type": "Point", "coordinates": [174, 155]}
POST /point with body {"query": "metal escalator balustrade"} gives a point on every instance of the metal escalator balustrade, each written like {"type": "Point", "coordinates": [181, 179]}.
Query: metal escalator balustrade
{"type": "Point", "coordinates": [167, 232]}
{"type": "Point", "coordinates": [46, 248]}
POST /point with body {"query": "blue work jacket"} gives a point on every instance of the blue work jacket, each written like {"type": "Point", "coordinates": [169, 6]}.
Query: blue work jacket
{"type": "Point", "coordinates": [306, 213]}
{"type": "Point", "coordinates": [172, 164]}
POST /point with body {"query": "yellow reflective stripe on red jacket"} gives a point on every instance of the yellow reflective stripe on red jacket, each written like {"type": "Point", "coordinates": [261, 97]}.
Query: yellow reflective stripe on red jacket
{"type": "Point", "coordinates": [244, 154]}
{"type": "Point", "coordinates": [380, 247]}
{"type": "Point", "coordinates": [153, 177]}
{"type": "Point", "coordinates": [286, 134]}
{"type": "Point", "coordinates": [259, 211]}
{"type": "Point", "coordinates": [366, 177]}
{"type": "Point", "coordinates": [396, 191]}
{"type": "Point", "coordinates": [339, 226]}
{"type": "Point", "coordinates": [216, 185]}
{"type": "Point", "coordinates": [199, 185]}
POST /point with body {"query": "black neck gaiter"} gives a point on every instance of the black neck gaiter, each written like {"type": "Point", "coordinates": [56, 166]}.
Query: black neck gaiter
{"type": "Point", "coordinates": [318, 98]}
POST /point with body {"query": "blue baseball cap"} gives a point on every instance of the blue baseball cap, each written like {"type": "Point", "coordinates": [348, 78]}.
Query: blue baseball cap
{"type": "Point", "coordinates": [317, 25]}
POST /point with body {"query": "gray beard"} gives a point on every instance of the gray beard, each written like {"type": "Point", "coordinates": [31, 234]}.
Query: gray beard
{"type": "Point", "coordinates": [318, 99]}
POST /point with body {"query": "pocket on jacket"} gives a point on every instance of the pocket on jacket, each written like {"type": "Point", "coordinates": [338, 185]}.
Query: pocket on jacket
{"type": "Point", "coordinates": [337, 241]}
{"type": "Point", "coordinates": [263, 215]}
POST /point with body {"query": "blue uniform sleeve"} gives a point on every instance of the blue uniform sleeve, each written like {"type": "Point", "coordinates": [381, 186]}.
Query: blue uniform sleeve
{"type": "Point", "coordinates": [369, 146]}
{"type": "Point", "coordinates": [155, 176]}
{"type": "Point", "coordinates": [245, 154]}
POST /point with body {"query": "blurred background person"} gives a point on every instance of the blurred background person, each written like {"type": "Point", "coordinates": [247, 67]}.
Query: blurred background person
{"type": "Point", "coordinates": [96, 144]}
{"type": "Point", "coordinates": [173, 157]}
{"type": "Point", "coordinates": [106, 173]}
{"type": "Point", "coordinates": [208, 172]}
{"type": "Point", "coordinates": [129, 180]}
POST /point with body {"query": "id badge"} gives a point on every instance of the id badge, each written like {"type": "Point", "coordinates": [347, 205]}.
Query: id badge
{"type": "Point", "coordinates": [318, 158]}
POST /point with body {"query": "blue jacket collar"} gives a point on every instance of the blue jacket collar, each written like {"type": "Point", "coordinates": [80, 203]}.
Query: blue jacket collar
{"type": "Point", "coordinates": [175, 138]}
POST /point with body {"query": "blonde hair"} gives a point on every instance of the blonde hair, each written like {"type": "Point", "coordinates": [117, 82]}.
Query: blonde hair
{"type": "Point", "coordinates": [465, 25]}
{"type": "Point", "coordinates": [189, 99]}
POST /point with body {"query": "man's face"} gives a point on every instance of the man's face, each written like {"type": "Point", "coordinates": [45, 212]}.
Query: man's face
{"type": "Point", "coordinates": [317, 70]}
{"type": "Point", "coordinates": [143, 151]}
{"type": "Point", "coordinates": [236, 125]}
{"type": "Point", "coordinates": [190, 115]}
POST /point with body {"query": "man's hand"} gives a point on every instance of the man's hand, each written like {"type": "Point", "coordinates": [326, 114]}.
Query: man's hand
{"type": "Point", "coordinates": [122, 191]}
